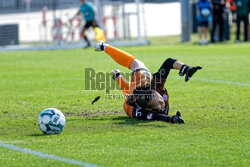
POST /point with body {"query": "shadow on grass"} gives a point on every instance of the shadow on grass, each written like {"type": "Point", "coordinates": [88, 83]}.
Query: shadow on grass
{"type": "Point", "coordinates": [123, 120]}
{"type": "Point", "coordinates": [37, 135]}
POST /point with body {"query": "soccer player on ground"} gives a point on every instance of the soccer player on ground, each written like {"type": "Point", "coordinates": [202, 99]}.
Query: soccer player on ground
{"type": "Point", "coordinates": [89, 14]}
{"type": "Point", "coordinates": [147, 98]}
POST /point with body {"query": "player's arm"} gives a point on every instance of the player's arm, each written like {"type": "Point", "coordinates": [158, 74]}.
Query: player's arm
{"type": "Point", "coordinates": [167, 118]}
{"type": "Point", "coordinates": [75, 15]}
{"type": "Point", "coordinates": [141, 114]}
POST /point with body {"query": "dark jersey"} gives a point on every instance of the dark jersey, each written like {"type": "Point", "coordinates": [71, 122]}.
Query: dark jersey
{"type": "Point", "coordinates": [157, 80]}
{"type": "Point", "coordinates": [218, 6]}
{"type": "Point", "coordinates": [158, 84]}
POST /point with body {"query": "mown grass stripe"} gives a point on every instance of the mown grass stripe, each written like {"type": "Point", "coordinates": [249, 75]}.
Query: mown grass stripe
{"type": "Point", "coordinates": [48, 156]}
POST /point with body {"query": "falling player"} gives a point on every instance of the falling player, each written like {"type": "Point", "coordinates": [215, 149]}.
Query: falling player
{"type": "Point", "coordinates": [147, 98]}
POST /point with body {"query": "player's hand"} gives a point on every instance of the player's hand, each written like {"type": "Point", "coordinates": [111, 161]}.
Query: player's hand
{"type": "Point", "coordinates": [177, 119]}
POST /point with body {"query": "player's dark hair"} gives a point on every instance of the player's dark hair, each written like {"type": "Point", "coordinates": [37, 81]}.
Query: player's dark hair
{"type": "Point", "coordinates": [141, 95]}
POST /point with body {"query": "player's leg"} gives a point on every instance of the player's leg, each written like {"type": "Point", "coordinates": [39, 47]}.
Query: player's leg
{"type": "Point", "coordinates": [213, 28]}
{"type": "Point", "coordinates": [238, 29]}
{"type": "Point", "coordinates": [246, 22]}
{"type": "Point", "coordinates": [205, 35]}
{"type": "Point", "coordinates": [199, 24]}
{"type": "Point", "coordinates": [94, 24]}
{"type": "Point", "coordinates": [137, 64]}
{"type": "Point", "coordinates": [185, 69]}
{"type": "Point", "coordinates": [85, 28]}
{"type": "Point", "coordinates": [122, 82]}
{"type": "Point", "coordinates": [204, 31]}
{"type": "Point", "coordinates": [121, 57]}
{"type": "Point", "coordinates": [165, 68]}
{"type": "Point", "coordinates": [221, 26]}
{"type": "Point", "coordinates": [200, 34]}
{"type": "Point", "coordinates": [178, 65]}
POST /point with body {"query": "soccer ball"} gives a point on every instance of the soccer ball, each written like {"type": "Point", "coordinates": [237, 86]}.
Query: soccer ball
{"type": "Point", "coordinates": [205, 12]}
{"type": "Point", "coordinates": [51, 121]}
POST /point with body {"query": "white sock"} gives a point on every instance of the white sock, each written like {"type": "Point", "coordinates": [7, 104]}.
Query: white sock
{"type": "Point", "coordinates": [105, 45]}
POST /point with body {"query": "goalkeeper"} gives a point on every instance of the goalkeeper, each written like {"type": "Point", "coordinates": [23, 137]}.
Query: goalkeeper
{"type": "Point", "coordinates": [147, 98]}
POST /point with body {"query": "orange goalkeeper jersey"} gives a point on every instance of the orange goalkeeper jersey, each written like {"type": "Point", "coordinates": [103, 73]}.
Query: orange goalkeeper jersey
{"type": "Point", "coordinates": [137, 79]}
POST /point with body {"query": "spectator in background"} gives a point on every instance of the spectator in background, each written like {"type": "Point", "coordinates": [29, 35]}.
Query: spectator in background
{"type": "Point", "coordinates": [218, 10]}
{"type": "Point", "coordinates": [232, 6]}
{"type": "Point", "coordinates": [204, 18]}
{"type": "Point", "coordinates": [242, 12]}
{"type": "Point", "coordinates": [248, 23]}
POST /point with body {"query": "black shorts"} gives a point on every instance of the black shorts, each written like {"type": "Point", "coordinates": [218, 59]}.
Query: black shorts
{"type": "Point", "coordinates": [165, 68]}
{"type": "Point", "coordinates": [203, 23]}
{"type": "Point", "coordinates": [91, 23]}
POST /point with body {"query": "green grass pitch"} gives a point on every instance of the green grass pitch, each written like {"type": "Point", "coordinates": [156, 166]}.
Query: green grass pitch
{"type": "Point", "coordinates": [216, 132]}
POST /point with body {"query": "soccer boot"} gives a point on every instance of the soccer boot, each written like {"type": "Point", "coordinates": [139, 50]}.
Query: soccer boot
{"type": "Point", "coordinates": [190, 72]}
{"type": "Point", "coordinates": [99, 46]}
{"type": "Point", "coordinates": [177, 118]}
{"type": "Point", "coordinates": [116, 73]}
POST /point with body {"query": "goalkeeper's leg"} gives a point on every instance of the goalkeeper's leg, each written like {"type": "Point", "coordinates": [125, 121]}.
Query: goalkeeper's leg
{"type": "Point", "coordinates": [121, 57]}
{"type": "Point", "coordinates": [84, 36]}
{"type": "Point", "coordinates": [178, 65]}
{"type": "Point", "coordinates": [122, 82]}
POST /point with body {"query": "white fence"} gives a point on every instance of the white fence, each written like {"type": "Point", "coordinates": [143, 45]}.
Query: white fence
{"type": "Point", "coordinates": [160, 20]}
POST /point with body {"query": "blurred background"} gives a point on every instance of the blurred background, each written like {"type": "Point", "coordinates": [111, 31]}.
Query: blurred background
{"type": "Point", "coordinates": [29, 23]}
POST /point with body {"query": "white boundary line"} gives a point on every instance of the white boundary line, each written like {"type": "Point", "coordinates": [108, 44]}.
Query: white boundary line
{"type": "Point", "coordinates": [212, 80]}
{"type": "Point", "coordinates": [48, 156]}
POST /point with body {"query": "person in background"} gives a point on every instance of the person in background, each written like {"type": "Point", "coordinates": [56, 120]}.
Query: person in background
{"type": "Point", "coordinates": [89, 14]}
{"type": "Point", "coordinates": [232, 6]}
{"type": "Point", "coordinates": [242, 12]}
{"type": "Point", "coordinates": [248, 23]}
{"type": "Point", "coordinates": [218, 10]}
{"type": "Point", "coordinates": [204, 18]}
